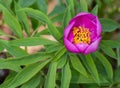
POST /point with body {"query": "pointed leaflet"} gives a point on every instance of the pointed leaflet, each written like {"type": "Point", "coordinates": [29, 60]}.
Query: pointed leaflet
{"type": "Point", "coordinates": [92, 68]}
{"type": "Point", "coordinates": [26, 3]}
{"type": "Point", "coordinates": [108, 25]}
{"type": "Point", "coordinates": [22, 17]}
{"type": "Point", "coordinates": [106, 64]}
{"type": "Point", "coordinates": [51, 76]}
{"type": "Point", "coordinates": [77, 65]}
{"type": "Point", "coordinates": [26, 74]}
{"type": "Point", "coordinates": [12, 22]}
{"type": "Point", "coordinates": [108, 51]}
{"type": "Point", "coordinates": [34, 81]}
{"type": "Point", "coordinates": [66, 76]}
{"type": "Point", "coordinates": [95, 10]}
{"type": "Point", "coordinates": [31, 41]}
{"type": "Point", "coordinates": [42, 17]}
{"type": "Point", "coordinates": [13, 50]}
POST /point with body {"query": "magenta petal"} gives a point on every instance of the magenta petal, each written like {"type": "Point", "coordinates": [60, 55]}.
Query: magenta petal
{"type": "Point", "coordinates": [81, 47]}
{"type": "Point", "coordinates": [93, 47]}
{"type": "Point", "coordinates": [68, 29]}
{"type": "Point", "coordinates": [99, 28]}
{"type": "Point", "coordinates": [70, 47]}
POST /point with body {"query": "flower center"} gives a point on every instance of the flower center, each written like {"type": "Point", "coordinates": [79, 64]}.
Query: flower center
{"type": "Point", "coordinates": [81, 35]}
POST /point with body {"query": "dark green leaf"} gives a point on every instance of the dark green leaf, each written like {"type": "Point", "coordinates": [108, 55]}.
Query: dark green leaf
{"type": "Point", "coordinates": [42, 5]}
{"type": "Point", "coordinates": [108, 25]}
{"type": "Point", "coordinates": [108, 50]}
{"type": "Point", "coordinates": [67, 17]}
{"type": "Point", "coordinates": [117, 76]}
{"type": "Point", "coordinates": [92, 68]}
{"type": "Point", "coordinates": [51, 76]}
{"type": "Point", "coordinates": [106, 64]}
{"type": "Point", "coordinates": [111, 43]}
{"type": "Point", "coordinates": [26, 3]}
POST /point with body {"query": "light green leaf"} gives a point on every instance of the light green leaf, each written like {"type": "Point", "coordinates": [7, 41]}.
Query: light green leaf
{"type": "Point", "coordinates": [83, 6]}
{"type": "Point", "coordinates": [77, 65]}
{"type": "Point", "coordinates": [25, 60]}
{"type": "Point", "coordinates": [10, 66]}
{"type": "Point", "coordinates": [62, 61]}
{"type": "Point", "coordinates": [13, 50]}
{"type": "Point", "coordinates": [26, 3]}
{"type": "Point", "coordinates": [26, 74]}
{"type": "Point", "coordinates": [95, 10]}
{"type": "Point", "coordinates": [31, 41]}
{"type": "Point", "coordinates": [32, 83]}
{"type": "Point", "coordinates": [42, 17]}
{"type": "Point", "coordinates": [70, 4]}
{"type": "Point", "coordinates": [12, 22]}
{"type": "Point", "coordinates": [106, 64]}
{"type": "Point", "coordinates": [108, 51]}
{"type": "Point", "coordinates": [92, 68]}
{"type": "Point", "coordinates": [51, 76]}
{"type": "Point", "coordinates": [66, 76]}
{"type": "Point", "coordinates": [22, 17]}
{"type": "Point", "coordinates": [108, 25]}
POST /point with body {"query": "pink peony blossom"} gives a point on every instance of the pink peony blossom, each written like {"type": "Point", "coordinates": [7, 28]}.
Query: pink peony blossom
{"type": "Point", "coordinates": [83, 33]}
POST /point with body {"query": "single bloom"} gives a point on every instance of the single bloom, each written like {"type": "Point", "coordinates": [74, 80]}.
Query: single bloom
{"type": "Point", "coordinates": [83, 33]}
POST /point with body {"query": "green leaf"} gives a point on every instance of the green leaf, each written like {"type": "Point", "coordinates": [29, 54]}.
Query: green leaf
{"type": "Point", "coordinates": [108, 25]}
{"type": "Point", "coordinates": [111, 43]}
{"type": "Point", "coordinates": [12, 22]}
{"type": "Point", "coordinates": [34, 81]}
{"type": "Point", "coordinates": [95, 10]}
{"type": "Point", "coordinates": [83, 6]}
{"type": "Point", "coordinates": [42, 17]}
{"type": "Point", "coordinates": [77, 65]}
{"type": "Point", "coordinates": [106, 64]}
{"type": "Point", "coordinates": [26, 3]}
{"type": "Point", "coordinates": [1, 47]}
{"type": "Point", "coordinates": [10, 66]}
{"type": "Point", "coordinates": [67, 17]}
{"type": "Point", "coordinates": [31, 41]}
{"type": "Point", "coordinates": [51, 76]}
{"type": "Point", "coordinates": [70, 4]}
{"type": "Point", "coordinates": [118, 51]}
{"type": "Point", "coordinates": [13, 50]}
{"type": "Point", "coordinates": [108, 51]}
{"type": "Point", "coordinates": [22, 17]}
{"type": "Point", "coordinates": [8, 79]}
{"type": "Point", "coordinates": [117, 76]}
{"type": "Point", "coordinates": [92, 68]}
{"type": "Point", "coordinates": [42, 5]}
{"type": "Point", "coordinates": [26, 74]}
{"type": "Point", "coordinates": [26, 60]}
{"type": "Point", "coordinates": [62, 61]}
{"type": "Point", "coordinates": [59, 54]}
{"type": "Point", "coordinates": [66, 76]}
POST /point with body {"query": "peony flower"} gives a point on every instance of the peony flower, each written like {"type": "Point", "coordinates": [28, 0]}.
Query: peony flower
{"type": "Point", "coordinates": [83, 33]}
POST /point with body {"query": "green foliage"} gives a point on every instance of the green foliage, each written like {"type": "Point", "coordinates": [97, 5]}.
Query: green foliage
{"type": "Point", "coordinates": [54, 66]}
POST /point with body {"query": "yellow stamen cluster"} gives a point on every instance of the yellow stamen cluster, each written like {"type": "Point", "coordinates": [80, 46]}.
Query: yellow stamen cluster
{"type": "Point", "coordinates": [81, 35]}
